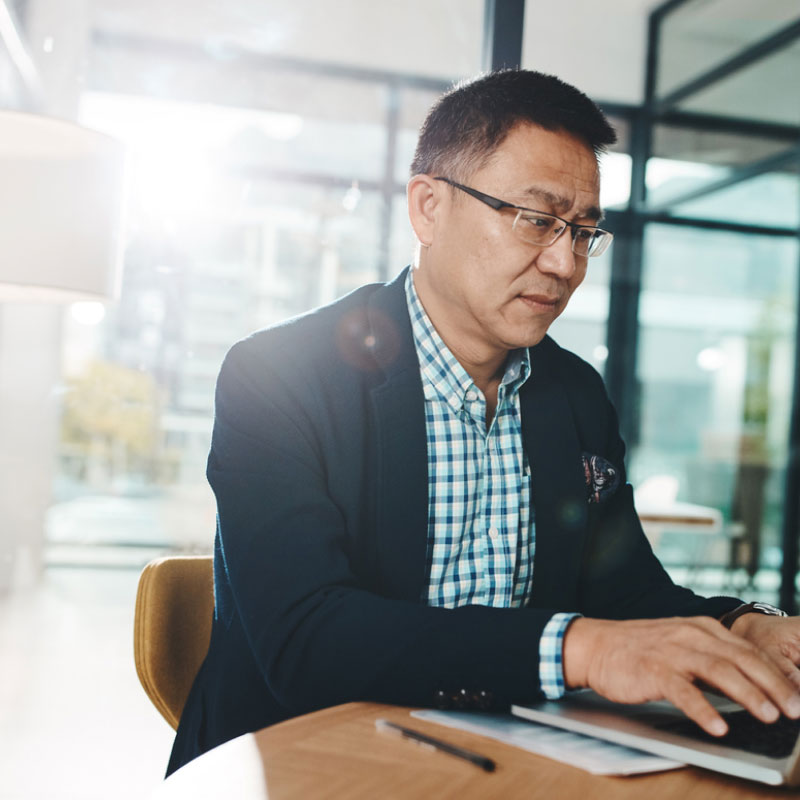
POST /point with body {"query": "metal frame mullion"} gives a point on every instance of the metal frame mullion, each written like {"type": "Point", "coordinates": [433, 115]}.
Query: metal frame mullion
{"type": "Point", "coordinates": [719, 225]}
{"type": "Point", "coordinates": [622, 330]}
{"type": "Point", "coordinates": [667, 8]}
{"type": "Point", "coordinates": [709, 122]}
{"type": "Point", "coordinates": [502, 34]}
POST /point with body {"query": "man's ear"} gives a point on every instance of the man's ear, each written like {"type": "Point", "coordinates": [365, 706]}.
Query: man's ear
{"type": "Point", "coordinates": [424, 195]}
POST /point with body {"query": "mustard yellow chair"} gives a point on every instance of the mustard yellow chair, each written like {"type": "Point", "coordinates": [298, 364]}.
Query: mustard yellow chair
{"type": "Point", "coordinates": [172, 628]}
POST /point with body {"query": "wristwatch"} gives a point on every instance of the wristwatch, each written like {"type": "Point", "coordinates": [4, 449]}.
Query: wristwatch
{"type": "Point", "coordinates": [751, 608]}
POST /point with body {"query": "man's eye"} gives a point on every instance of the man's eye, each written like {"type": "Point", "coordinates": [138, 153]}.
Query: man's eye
{"type": "Point", "coordinates": [584, 234]}
{"type": "Point", "coordinates": [541, 223]}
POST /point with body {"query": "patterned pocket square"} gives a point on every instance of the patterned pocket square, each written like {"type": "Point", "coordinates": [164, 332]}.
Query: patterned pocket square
{"type": "Point", "coordinates": [602, 478]}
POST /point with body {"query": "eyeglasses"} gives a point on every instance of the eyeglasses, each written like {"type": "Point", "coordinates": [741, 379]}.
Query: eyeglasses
{"type": "Point", "coordinates": [539, 228]}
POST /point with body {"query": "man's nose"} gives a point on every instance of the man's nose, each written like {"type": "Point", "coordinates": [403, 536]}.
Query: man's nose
{"type": "Point", "coordinates": [558, 259]}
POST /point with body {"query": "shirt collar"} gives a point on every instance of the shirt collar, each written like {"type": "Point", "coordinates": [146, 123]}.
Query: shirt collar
{"type": "Point", "coordinates": [442, 373]}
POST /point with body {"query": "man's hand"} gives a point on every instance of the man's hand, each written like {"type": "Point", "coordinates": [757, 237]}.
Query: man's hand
{"type": "Point", "coordinates": [662, 659]}
{"type": "Point", "coordinates": [778, 637]}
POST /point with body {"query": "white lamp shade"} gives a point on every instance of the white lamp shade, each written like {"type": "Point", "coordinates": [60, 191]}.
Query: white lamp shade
{"type": "Point", "coordinates": [61, 201]}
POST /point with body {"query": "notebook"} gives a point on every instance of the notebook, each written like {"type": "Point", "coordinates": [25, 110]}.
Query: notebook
{"type": "Point", "coordinates": [752, 749]}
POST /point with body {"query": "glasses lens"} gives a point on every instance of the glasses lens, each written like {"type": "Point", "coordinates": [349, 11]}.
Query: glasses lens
{"type": "Point", "coordinates": [541, 229]}
{"type": "Point", "coordinates": [591, 242]}
{"type": "Point", "coordinates": [544, 229]}
{"type": "Point", "coordinates": [585, 241]}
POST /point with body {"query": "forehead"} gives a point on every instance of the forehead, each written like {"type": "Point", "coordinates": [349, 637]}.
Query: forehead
{"type": "Point", "coordinates": [547, 166]}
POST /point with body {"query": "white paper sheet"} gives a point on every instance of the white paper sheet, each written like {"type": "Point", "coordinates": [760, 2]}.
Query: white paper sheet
{"type": "Point", "coordinates": [584, 752]}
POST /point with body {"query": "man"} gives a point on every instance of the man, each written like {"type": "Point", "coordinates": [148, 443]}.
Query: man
{"type": "Point", "coordinates": [421, 496]}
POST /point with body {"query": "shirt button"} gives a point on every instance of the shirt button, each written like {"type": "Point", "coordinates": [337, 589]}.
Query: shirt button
{"type": "Point", "coordinates": [471, 396]}
{"type": "Point", "coordinates": [493, 534]}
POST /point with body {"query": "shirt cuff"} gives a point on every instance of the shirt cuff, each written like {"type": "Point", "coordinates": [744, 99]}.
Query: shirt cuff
{"type": "Point", "coordinates": [551, 646]}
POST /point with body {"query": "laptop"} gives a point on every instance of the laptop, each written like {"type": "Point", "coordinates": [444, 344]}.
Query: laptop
{"type": "Point", "coordinates": [751, 749]}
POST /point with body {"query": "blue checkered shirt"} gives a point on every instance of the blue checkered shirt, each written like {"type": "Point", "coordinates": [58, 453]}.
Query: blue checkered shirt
{"type": "Point", "coordinates": [481, 531]}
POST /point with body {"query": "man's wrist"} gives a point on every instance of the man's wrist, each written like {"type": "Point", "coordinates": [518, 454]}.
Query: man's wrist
{"type": "Point", "coordinates": [733, 619]}
{"type": "Point", "coordinates": [577, 652]}
{"type": "Point", "coordinates": [741, 624]}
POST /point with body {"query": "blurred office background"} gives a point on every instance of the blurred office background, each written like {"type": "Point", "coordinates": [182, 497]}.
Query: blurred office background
{"type": "Point", "coordinates": [268, 144]}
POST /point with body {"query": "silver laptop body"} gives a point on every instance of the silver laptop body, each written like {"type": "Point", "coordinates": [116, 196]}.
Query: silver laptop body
{"type": "Point", "coordinates": [634, 726]}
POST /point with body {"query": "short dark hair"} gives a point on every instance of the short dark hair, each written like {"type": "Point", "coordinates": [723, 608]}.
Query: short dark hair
{"type": "Point", "coordinates": [469, 122]}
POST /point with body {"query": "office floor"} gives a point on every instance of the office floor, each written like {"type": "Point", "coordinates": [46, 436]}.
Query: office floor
{"type": "Point", "coordinates": [74, 721]}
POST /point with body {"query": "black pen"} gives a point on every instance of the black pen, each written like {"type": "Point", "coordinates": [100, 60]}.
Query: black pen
{"type": "Point", "coordinates": [437, 744]}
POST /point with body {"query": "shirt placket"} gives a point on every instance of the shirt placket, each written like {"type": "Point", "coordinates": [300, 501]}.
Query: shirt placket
{"type": "Point", "coordinates": [474, 414]}
{"type": "Point", "coordinates": [523, 565]}
{"type": "Point", "coordinates": [496, 530]}
{"type": "Point", "coordinates": [493, 526]}
{"type": "Point", "coordinates": [510, 503]}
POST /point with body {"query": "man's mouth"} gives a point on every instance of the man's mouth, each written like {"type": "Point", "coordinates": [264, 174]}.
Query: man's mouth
{"type": "Point", "coordinates": [541, 302]}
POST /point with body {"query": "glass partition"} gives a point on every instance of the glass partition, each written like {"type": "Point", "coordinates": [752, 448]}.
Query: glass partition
{"type": "Point", "coordinates": [716, 352]}
{"type": "Point", "coordinates": [217, 249]}
{"type": "Point", "coordinates": [8, 78]}
{"type": "Point", "coordinates": [581, 328]}
{"type": "Point", "coordinates": [717, 318]}
{"type": "Point", "coordinates": [685, 159]}
{"type": "Point", "coordinates": [412, 106]}
{"type": "Point", "coordinates": [771, 200]}
{"type": "Point", "coordinates": [764, 91]}
{"type": "Point", "coordinates": [269, 147]}
{"type": "Point", "coordinates": [700, 34]}
{"type": "Point", "coordinates": [424, 37]}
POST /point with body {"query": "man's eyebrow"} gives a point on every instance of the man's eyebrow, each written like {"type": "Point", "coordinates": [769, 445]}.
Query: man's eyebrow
{"type": "Point", "coordinates": [562, 204]}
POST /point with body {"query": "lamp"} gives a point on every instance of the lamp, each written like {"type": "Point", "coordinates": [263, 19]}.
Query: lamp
{"type": "Point", "coordinates": [61, 200]}
{"type": "Point", "coordinates": [61, 190]}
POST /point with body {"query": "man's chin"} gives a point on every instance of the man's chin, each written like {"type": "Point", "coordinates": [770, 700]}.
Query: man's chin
{"type": "Point", "coordinates": [533, 334]}
{"type": "Point", "coordinates": [530, 339]}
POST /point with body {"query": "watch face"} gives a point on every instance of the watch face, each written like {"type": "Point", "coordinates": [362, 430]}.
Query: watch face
{"type": "Point", "coordinates": [766, 608]}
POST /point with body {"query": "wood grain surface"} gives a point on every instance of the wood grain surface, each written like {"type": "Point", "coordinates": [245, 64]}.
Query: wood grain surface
{"type": "Point", "coordinates": [338, 753]}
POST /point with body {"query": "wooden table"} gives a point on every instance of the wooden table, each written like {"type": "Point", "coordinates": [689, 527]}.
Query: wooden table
{"type": "Point", "coordinates": [337, 753]}
{"type": "Point", "coordinates": [674, 516]}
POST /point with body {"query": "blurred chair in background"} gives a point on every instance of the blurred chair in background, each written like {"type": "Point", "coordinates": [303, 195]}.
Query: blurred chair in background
{"type": "Point", "coordinates": [172, 628]}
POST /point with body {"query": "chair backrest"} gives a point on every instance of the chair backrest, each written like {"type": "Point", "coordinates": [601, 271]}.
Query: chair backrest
{"type": "Point", "coordinates": [172, 628]}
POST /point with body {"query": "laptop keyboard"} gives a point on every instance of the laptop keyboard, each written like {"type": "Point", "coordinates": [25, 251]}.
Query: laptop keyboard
{"type": "Point", "coordinates": [745, 732]}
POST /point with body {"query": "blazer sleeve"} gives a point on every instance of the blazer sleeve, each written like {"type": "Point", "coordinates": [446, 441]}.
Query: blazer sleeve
{"type": "Point", "coordinates": [318, 636]}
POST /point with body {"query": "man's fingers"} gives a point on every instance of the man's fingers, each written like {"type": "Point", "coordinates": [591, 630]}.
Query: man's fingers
{"type": "Point", "coordinates": [640, 660]}
{"type": "Point", "coordinates": [775, 679]}
{"type": "Point", "coordinates": [787, 666]}
{"type": "Point", "coordinates": [689, 699]}
{"type": "Point", "coordinates": [777, 640]}
{"type": "Point", "coordinates": [738, 685]}
{"type": "Point", "coordinates": [750, 677]}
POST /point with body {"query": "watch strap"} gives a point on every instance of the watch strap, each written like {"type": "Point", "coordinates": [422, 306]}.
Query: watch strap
{"type": "Point", "coordinates": [751, 608]}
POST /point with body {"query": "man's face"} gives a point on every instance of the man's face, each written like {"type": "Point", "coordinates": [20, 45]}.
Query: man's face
{"type": "Point", "coordinates": [485, 289]}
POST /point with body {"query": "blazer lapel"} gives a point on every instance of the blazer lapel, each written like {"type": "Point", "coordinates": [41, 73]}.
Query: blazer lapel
{"type": "Point", "coordinates": [557, 483]}
{"type": "Point", "coordinates": [402, 456]}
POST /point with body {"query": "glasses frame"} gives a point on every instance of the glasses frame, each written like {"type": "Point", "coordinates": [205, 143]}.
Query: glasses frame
{"type": "Point", "coordinates": [498, 205]}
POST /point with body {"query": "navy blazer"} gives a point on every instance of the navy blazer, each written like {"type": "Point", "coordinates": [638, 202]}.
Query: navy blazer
{"type": "Point", "coordinates": [319, 466]}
